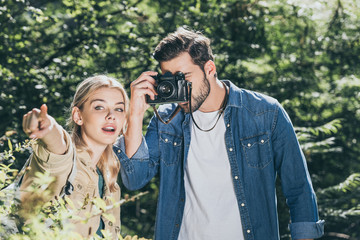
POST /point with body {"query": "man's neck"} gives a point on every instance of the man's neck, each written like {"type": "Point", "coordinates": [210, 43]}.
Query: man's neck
{"type": "Point", "coordinates": [216, 97]}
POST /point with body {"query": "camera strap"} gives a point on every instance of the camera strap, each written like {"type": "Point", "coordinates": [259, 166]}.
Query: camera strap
{"type": "Point", "coordinates": [177, 109]}
{"type": "Point", "coordinates": [222, 108]}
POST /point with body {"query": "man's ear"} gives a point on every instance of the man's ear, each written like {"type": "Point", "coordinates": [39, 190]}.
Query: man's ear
{"type": "Point", "coordinates": [210, 69]}
{"type": "Point", "coordinates": [76, 116]}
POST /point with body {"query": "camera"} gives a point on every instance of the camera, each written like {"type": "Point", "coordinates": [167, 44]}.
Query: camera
{"type": "Point", "coordinates": [170, 89]}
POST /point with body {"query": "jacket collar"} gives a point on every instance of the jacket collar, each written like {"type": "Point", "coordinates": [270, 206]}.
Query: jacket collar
{"type": "Point", "coordinates": [235, 95]}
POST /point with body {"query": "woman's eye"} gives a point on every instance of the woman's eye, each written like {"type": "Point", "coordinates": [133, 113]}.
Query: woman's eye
{"type": "Point", "coordinates": [119, 109]}
{"type": "Point", "coordinates": [99, 108]}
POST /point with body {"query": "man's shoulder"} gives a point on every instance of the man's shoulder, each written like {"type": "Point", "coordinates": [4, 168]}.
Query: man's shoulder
{"type": "Point", "coordinates": [251, 100]}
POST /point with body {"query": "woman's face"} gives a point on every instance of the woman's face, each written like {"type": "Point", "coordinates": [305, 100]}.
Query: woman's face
{"type": "Point", "coordinates": [102, 117]}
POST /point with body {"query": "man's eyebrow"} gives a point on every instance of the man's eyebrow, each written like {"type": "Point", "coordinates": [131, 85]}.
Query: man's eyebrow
{"type": "Point", "coordinates": [186, 74]}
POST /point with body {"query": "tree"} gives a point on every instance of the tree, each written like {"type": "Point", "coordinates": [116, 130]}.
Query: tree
{"type": "Point", "coordinates": [304, 53]}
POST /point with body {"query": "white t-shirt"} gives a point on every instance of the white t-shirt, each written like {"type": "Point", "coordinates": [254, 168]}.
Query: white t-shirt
{"type": "Point", "coordinates": [211, 209]}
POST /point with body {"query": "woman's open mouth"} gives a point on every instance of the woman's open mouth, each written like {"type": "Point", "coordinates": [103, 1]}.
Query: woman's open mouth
{"type": "Point", "coordinates": [108, 130]}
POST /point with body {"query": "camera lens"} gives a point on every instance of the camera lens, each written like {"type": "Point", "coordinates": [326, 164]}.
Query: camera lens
{"type": "Point", "coordinates": [165, 89]}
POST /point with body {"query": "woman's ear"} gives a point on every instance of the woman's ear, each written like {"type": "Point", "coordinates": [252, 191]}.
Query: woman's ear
{"type": "Point", "coordinates": [210, 69]}
{"type": "Point", "coordinates": [76, 116]}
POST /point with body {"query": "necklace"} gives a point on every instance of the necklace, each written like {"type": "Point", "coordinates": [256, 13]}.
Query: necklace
{"type": "Point", "coordinates": [222, 109]}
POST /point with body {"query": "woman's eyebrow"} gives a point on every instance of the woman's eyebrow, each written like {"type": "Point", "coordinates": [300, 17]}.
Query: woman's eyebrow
{"type": "Point", "coordinates": [97, 100]}
{"type": "Point", "coordinates": [102, 100]}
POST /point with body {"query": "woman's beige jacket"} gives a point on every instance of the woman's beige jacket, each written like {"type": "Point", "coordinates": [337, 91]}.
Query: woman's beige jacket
{"type": "Point", "coordinates": [85, 184]}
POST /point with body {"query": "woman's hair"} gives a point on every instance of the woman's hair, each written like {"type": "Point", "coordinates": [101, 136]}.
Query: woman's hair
{"type": "Point", "coordinates": [108, 163]}
{"type": "Point", "coordinates": [184, 40]}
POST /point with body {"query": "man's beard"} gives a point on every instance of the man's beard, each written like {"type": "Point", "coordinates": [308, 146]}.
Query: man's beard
{"type": "Point", "coordinates": [197, 101]}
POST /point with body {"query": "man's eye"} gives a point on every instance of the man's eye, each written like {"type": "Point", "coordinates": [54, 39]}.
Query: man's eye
{"type": "Point", "coordinates": [99, 108]}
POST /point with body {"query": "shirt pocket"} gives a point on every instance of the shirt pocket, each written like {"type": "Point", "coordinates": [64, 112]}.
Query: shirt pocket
{"type": "Point", "coordinates": [170, 147]}
{"type": "Point", "coordinates": [257, 151]}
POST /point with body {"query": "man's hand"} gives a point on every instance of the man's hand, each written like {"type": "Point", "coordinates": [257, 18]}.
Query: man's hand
{"type": "Point", "coordinates": [141, 87]}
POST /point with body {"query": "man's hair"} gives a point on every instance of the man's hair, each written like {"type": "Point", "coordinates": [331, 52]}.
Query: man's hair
{"type": "Point", "coordinates": [184, 40]}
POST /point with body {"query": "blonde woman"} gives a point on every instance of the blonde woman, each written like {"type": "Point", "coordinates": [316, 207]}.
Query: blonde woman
{"type": "Point", "coordinates": [98, 117]}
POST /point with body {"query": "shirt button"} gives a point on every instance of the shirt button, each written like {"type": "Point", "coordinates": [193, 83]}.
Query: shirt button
{"type": "Point", "coordinates": [236, 177]}
{"type": "Point", "coordinates": [228, 125]}
{"type": "Point", "coordinates": [119, 151]}
{"type": "Point", "coordinates": [110, 224]}
{"type": "Point", "coordinates": [248, 231]}
{"type": "Point", "coordinates": [243, 204]}
{"type": "Point", "coordinates": [175, 143]}
{"type": "Point", "coordinates": [230, 149]}
{"type": "Point", "coordinates": [262, 141]}
{"type": "Point", "coordinates": [249, 145]}
{"type": "Point", "coordinates": [166, 140]}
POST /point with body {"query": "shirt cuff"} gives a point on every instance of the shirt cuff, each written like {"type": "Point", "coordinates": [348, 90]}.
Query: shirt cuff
{"type": "Point", "coordinates": [141, 153]}
{"type": "Point", "coordinates": [303, 230]}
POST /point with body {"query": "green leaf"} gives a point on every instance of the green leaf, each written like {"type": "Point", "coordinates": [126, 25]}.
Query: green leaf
{"type": "Point", "coordinates": [109, 217]}
{"type": "Point", "coordinates": [70, 202]}
{"type": "Point", "coordinates": [100, 203]}
{"type": "Point", "coordinates": [10, 144]}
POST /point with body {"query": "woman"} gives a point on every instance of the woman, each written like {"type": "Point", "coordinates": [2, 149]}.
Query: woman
{"type": "Point", "coordinates": [98, 117]}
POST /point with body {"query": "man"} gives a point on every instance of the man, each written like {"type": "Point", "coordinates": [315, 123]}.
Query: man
{"type": "Point", "coordinates": [219, 157]}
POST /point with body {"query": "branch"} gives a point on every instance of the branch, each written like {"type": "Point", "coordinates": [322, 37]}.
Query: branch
{"type": "Point", "coordinates": [339, 235]}
{"type": "Point", "coordinates": [62, 50]}
{"type": "Point", "coordinates": [115, 205]}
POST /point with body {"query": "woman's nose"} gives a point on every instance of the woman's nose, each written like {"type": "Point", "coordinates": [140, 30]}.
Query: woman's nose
{"type": "Point", "coordinates": [110, 116]}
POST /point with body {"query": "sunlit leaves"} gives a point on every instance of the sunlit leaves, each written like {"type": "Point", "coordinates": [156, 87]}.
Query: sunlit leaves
{"type": "Point", "coordinates": [304, 53]}
{"type": "Point", "coordinates": [48, 220]}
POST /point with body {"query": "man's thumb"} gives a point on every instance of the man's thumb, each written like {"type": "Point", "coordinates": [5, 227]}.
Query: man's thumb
{"type": "Point", "coordinates": [43, 111]}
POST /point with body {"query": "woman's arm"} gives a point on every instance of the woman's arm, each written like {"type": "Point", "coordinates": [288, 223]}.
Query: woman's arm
{"type": "Point", "coordinates": [38, 124]}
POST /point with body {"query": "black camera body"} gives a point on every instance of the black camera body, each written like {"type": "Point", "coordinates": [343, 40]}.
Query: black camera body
{"type": "Point", "coordinates": [170, 89]}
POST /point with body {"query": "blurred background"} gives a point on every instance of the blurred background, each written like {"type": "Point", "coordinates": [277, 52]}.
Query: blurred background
{"type": "Point", "coordinates": [304, 53]}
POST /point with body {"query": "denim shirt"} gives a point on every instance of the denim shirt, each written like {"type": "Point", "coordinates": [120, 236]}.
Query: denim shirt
{"type": "Point", "coordinates": [261, 145]}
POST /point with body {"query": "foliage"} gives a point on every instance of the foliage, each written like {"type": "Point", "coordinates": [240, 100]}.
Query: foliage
{"type": "Point", "coordinates": [304, 53]}
{"type": "Point", "coordinates": [340, 205]}
{"type": "Point", "coordinates": [39, 219]}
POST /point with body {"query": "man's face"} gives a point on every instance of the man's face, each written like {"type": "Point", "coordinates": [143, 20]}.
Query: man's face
{"type": "Point", "coordinates": [193, 73]}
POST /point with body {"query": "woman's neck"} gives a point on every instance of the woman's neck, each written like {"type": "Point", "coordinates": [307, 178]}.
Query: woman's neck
{"type": "Point", "coordinates": [96, 150]}
{"type": "Point", "coordinates": [96, 153]}
{"type": "Point", "coordinates": [95, 157]}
